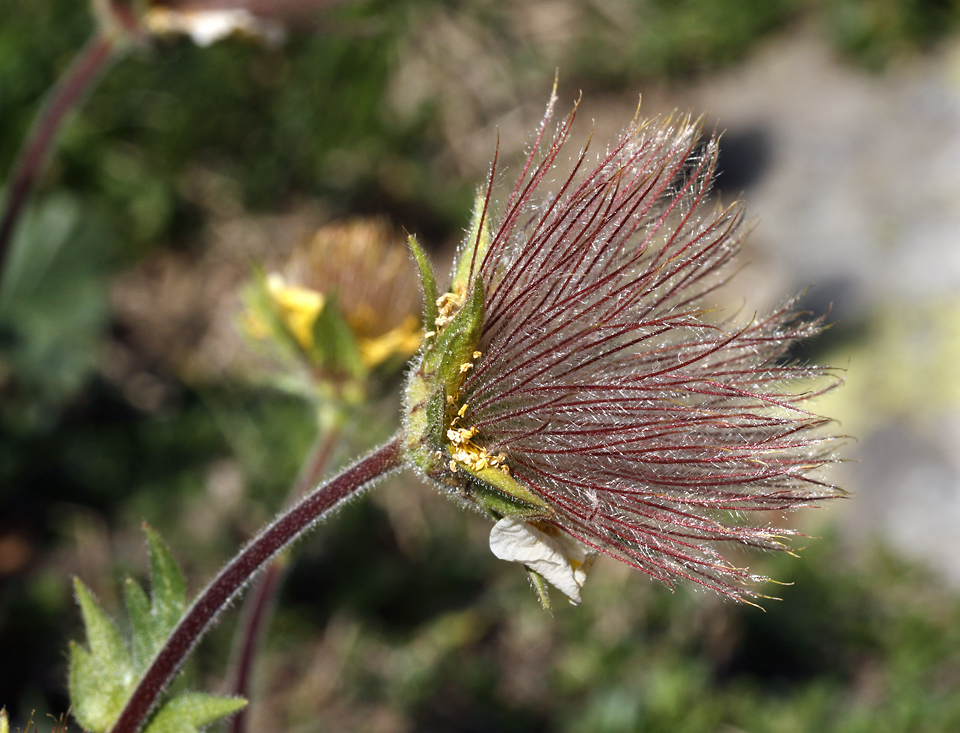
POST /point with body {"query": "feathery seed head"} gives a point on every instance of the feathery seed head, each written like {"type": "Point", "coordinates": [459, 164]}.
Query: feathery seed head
{"type": "Point", "coordinates": [578, 387]}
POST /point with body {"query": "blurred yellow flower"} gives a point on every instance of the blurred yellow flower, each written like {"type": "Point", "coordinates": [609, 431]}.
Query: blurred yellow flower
{"type": "Point", "coordinates": [343, 306]}
{"type": "Point", "coordinates": [401, 341]}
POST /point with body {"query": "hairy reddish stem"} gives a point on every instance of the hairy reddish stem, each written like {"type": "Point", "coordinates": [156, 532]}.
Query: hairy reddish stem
{"type": "Point", "coordinates": [65, 96]}
{"type": "Point", "coordinates": [240, 570]}
{"type": "Point", "coordinates": [258, 605]}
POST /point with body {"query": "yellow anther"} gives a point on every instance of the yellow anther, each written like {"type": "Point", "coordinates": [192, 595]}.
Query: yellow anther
{"type": "Point", "coordinates": [461, 436]}
{"type": "Point", "coordinates": [448, 305]}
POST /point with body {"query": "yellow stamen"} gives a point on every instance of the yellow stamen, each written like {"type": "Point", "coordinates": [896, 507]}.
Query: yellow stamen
{"type": "Point", "coordinates": [449, 304]}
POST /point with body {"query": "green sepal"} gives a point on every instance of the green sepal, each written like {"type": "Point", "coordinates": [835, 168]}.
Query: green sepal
{"type": "Point", "coordinates": [455, 344]}
{"type": "Point", "coordinates": [436, 418]}
{"type": "Point", "coordinates": [429, 282]}
{"type": "Point", "coordinates": [334, 343]}
{"type": "Point", "coordinates": [539, 584]}
{"type": "Point", "coordinates": [474, 247]}
{"type": "Point", "coordinates": [187, 713]}
{"type": "Point", "coordinates": [142, 628]}
{"type": "Point", "coordinates": [503, 495]}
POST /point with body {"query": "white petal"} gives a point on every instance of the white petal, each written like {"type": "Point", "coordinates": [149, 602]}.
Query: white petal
{"type": "Point", "coordinates": [561, 560]}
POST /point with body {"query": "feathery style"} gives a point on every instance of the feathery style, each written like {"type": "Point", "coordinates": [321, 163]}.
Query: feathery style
{"type": "Point", "coordinates": [580, 388]}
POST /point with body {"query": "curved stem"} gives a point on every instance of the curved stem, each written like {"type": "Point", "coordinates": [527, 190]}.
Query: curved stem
{"type": "Point", "coordinates": [66, 95]}
{"type": "Point", "coordinates": [241, 569]}
{"type": "Point", "coordinates": [257, 608]}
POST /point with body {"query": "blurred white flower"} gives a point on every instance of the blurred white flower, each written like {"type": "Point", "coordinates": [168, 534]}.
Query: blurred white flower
{"type": "Point", "coordinates": [207, 26]}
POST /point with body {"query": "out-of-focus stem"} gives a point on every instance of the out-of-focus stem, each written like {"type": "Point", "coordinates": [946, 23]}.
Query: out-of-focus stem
{"type": "Point", "coordinates": [238, 572]}
{"type": "Point", "coordinates": [259, 604]}
{"type": "Point", "coordinates": [67, 94]}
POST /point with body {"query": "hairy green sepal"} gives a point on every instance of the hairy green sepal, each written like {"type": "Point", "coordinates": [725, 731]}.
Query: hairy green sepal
{"type": "Point", "coordinates": [502, 495]}
{"type": "Point", "coordinates": [455, 344]}
{"type": "Point", "coordinates": [439, 375]}
{"type": "Point", "coordinates": [474, 247]}
{"type": "Point", "coordinates": [428, 281]}
{"type": "Point", "coordinates": [105, 673]}
{"type": "Point", "coordinates": [540, 586]}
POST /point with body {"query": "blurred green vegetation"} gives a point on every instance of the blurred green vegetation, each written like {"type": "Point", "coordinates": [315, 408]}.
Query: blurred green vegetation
{"type": "Point", "coordinates": [422, 628]}
{"type": "Point", "coordinates": [873, 32]}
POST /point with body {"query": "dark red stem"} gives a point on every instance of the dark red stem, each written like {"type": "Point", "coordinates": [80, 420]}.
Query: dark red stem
{"type": "Point", "coordinates": [240, 570]}
{"type": "Point", "coordinates": [258, 606]}
{"type": "Point", "coordinates": [65, 96]}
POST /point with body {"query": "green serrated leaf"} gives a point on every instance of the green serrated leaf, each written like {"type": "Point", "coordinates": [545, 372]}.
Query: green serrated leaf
{"type": "Point", "coordinates": [186, 713]}
{"type": "Point", "coordinates": [429, 282]}
{"type": "Point", "coordinates": [474, 247]}
{"type": "Point", "coordinates": [144, 639]}
{"type": "Point", "coordinates": [97, 691]}
{"type": "Point", "coordinates": [168, 589]}
{"type": "Point", "coordinates": [106, 643]}
{"type": "Point", "coordinates": [103, 676]}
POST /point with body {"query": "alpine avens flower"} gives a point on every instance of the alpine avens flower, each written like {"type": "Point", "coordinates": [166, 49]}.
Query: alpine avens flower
{"type": "Point", "coordinates": [580, 387]}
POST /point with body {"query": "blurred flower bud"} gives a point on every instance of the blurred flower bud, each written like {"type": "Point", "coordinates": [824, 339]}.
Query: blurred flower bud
{"type": "Point", "coordinates": [343, 309]}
